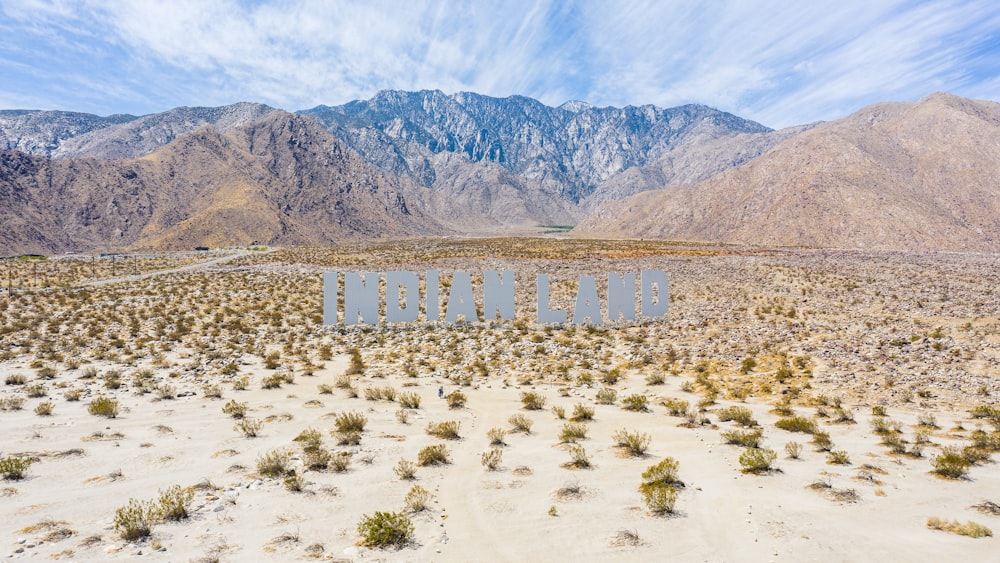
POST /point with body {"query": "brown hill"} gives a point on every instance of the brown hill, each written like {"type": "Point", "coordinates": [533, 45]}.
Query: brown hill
{"type": "Point", "coordinates": [916, 176]}
{"type": "Point", "coordinates": [282, 179]}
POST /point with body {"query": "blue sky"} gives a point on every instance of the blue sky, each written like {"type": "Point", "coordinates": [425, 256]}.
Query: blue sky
{"type": "Point", "coordinates": [778, 62]}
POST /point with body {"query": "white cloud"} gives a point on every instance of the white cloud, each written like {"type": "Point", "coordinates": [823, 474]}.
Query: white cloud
{"type": "Point", "coordinates": [778, 62]}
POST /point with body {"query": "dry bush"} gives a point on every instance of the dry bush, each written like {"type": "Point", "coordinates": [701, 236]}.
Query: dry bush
{"type": "Point", "coordinates": [676, 407]}
{"type": "Point", "coordinates": [970, 528]}
{"type": "Point", "coordinates": [951, 463]}
{"type": "Point", "coordinates": [635, 443]}
{"type": "Point", "coordinates": [135, 520]}
{"type": "Point", "coordinates": [520, 423]}
{"type": "Point", "coordinates": [578, 458]}
{"type": "Point", "coordinates": [249, 427]}
{"type": "Point", "coordinates": [433, 455]}
{"type": "Point", "coordinates": [797, 424]}
{"type": "Point", "coordinates": [492, 458]}
{"type": "Point", "coordinates": [417, 498]}
{"type": "Point", "coordinates": [636, 403]}
{"type": "Point", "coordinates": [447, 430]}
{"type": "Point", "coordinates": [409, 400]}
{"type": "Point", "coordinates": [739, 415]}
{"type": "Point", "coordinates": [385, 529]}
{"type": "Point", "coordinates": [606, 396]}
{"type": "Point", "coordinates": [405, 470]}
{"type": "Point", "coordinates": [532, 401]}
{"type": "Point", "coordinates": [103, 406]}
{"type": "Point", "coordinates": [175, 503]}
{"type": "Point", "coordinates": [838, 457]}
{"type": "Point", "coordinates": [273, 463]}
{"type": "Point", "coordinates": [582, 413]}
{"type": "Point", "coordinates": [350, 422]}
{"type": "Point", "coordinates": [754, 460]}
{"type": "Point", "coordinates": [573, 432]}
{"type": "Point", "coordinates": [559, 412]}
{"type": "Point", "coordinates": [744, 438]}
{"type": "Point", "coordinates": [665, 471]}
{"type": "Point", "coordinates": [496, 436]}
{"type": "Point", "coordinates": [456, 399]}
{"type": "Point", "coordinates": [793, 449]}
{"type": "Point", "coordinates": [13, 468]}
{"type": "Point", "coordinates": [235, 409]}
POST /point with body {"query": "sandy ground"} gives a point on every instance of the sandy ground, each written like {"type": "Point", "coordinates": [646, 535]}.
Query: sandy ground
{"type": "Point", "coordinates": [722, 514]}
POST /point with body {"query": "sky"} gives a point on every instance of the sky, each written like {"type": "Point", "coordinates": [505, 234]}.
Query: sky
{"type": "Point", "coordinates": [780, 63]}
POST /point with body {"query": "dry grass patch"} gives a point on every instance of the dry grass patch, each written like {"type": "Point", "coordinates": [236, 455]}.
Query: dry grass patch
{"type": "Point", "coordinates": [970, 528]}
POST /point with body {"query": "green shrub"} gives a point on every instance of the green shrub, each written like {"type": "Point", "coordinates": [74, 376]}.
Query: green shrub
{"type": "Point", "coordinates": [492, 458]}
{"type": "Point", "coordinates": [350, 421]}
{"type": "Point", "coordinates": [663, 472]}
{"type": "Point", "coordinates": [676, 407]}
{"type": "Point", "coordinates": [739, 415]}
{"type": "Point", "coordinates": [273, 381]}
{"type": "Point", "coordinates": [385, 529]}
{"type": "Point", "coordinates": [573, 432]}
{"type": "Point", "coordinates": [103, 406]}
{"type": "Point", "coordinates": [532, 401]}
{"type": "Point", "coordinates": [235, 409]}
{"type": "Point", "coordinates": [447, 430]}
{"type": "Point", "coordinates": [433, 455]}
{"type": "Point", "coordinates": [317, 459]}
{"type": "Point", "coordinates": [310, 439]}
{"type": "Point", "coordinates": [273, 464]}
{"type": "Point", "coordinates": [636, 403]}
{"type": "Point", "coordinates": [754, 460]}
{"type": "Point", "coordinates": [821, 439]}
{"type": "Point", "coordinates": [635, 443]}
{"type": "Point", "coordinates": [249, 427]}
{"type": "Point", "coordinates": [340, 462]}
{"type": "Point", "coordinates": [520, 423]}
{"type": "Point", "coordinates": [797, 424]}
{"type": "Point", "coordinates": [655, 379]}
{"type": "Point", "coordinates": [13, 468]}
{"type": "Point", "coordinates": [607, 396]}
{"type": "Point", "coordinates": [951, 463]}
{"type": "Point", "coordinates": [745, 438]}
{"type": "Point", "coordinates": [582, 413]}
{"type": "Point", "coordinates": [135, 520]}
{"type": "Point", "coordinates": [659, 497]}
{"type": "Point", "coordinates": [175, 503]}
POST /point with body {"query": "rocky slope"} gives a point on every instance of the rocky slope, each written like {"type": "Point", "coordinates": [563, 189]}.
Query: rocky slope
{"type": "Point", "coordinates": [916, 176]}
{"type": "Point", "coordinates": [282, 179]}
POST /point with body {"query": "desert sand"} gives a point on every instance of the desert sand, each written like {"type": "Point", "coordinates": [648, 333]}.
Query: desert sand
{"type": "Point", "coordinates": [915, 335]}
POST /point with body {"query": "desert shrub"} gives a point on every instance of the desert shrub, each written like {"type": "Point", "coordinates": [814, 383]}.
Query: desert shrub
{"type": "Point", "coordinates": [350, 421]}
{"type": "Point", "coordinates": [317, 459]}
{"type": "Point", "coordinates": [951, 463]}
{"type": "Point", "coordinates": [578, 457]}
{"type": "Point", "coordinates": [339, 462]}
{"type": "Point", "coordinates": [456, 399]}
{"type": "Point", "coordinates": [663, 472]}
{"type": "Point", "coordinates": [496, 436]}
{"type": "Point", "coordinates": [241, 384]}
{"type": "Point", "coordinates": [754, 460]}
{"type": "Point", "coordinates": [607, 396]}
{"type": "Point", "coordinates": [403, 416]}
{"type": "Point", "coordinates": [417, 498]}
{"type": "Point", "coordinates": [405, 470]}
{"type": "Point", "coordinates": [103, 406]}
{"type": "Point", "coordinates": [175, 502]}
{"type": "Point", "coordinates": [573, 432]}
{"type": "Point", "coordinates": [491, 458]}
{"type": "Point", "coordinates": [635, 443]}
{"type": "Point", "coordinates": [927, 419]}
{"type": "Point", "coordinates": [212, 391]}
{"type": "Point", "coordinates": [273, 381]}
{"type": "Point", "coordinates": [838, 457]}
{"type": "Point", "coordinates": [636, 403]}
{"type": "Point", "coordinates": [655, 379]}
{"type": "Point", "coordinates": [560, 412]}
{"type": "Point", "coordinates": [13, 468]}
{"type": "Point", "coordinates": [235, 409]}
{"type": "Point", "coordinates": [822, 441]}
{"type": "Point", "coordinates": [16, 379]}
{"type": "Point", "coordinates": [36, 390]}
{"type": "Point", "coordinates": [73, 395]}
{"type": "Point", "coordinates": [11, 403]}
{"type": "Point", "coordinates": [447, 430]}
{"type": "Point", "coordinates": [294, 483]}
{"type": "Point", "coordinates": [985, 440]}
{"type": "Point", "coordinates": [348, 438]}
{"type": "Point", "coordinates": [532, 401]}
{"type": "Point", "coordinates": [582, 413]}
{"type": "Point", "coordinates": [356, 366]}
{"type": "Point", "coordinates": [44, 408]}
{"type": "Point", "coordinates": [325, 389]}
{"type": "Point", "coordinates": [745, 438]}
{"type": "Point", "coordinates": [739, 415]}
{"type": "Point", "coordinates": [433, 455]}
{"type": "Point", "coordinates": [135, 520]}
{"type": "Point", "coordinates": [520, 423]}
{"type": "Point", "coordinates": [385, 529]}
{"type": "Point", "coordinates": [793, 449]}
{"type": "Point", "coordinates": [659, 497]}
{"type": "Point", "coordinates": [879, 410]}
{"type": "Point", "coordinates": [970, 528]}
{"type": "Point", "coordinates": [676, 407]}
{"type": "Point", "coordinates": [310, 439]}
{"type": "Point", "coordinates": [409, 400]}
{"type": "Point", "coordinates": [273, 463]}
{"type": "Point", "coordinates": [796, 424]}
{"type": "Point", "coordinates": [166, 392]}
{"type": "Point", "coordinates": [249, 427]}
{"type": "Point", "coordinates": [883, 426]}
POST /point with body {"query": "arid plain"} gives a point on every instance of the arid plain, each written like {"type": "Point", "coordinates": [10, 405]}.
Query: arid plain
{"type": "Point", "coordinates": [796, 405]}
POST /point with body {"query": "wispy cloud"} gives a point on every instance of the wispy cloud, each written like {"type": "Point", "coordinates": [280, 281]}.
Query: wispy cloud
{"type": "Point", "coordinates": [778, 62]}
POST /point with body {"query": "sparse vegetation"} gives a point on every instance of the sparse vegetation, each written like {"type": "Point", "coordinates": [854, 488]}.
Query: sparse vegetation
{"type": "Point", "coordinates": [532, 401]}
{"type": "Point", "coordinates": [385, 529]}
{"type": "Point", "coordinates": [970, 528]}
{"type": "Point", "coordinates": [433, 455]}
{"type": "Point", "coordinates": [103, 406]}
{"type": "Point", "coordinates": [634, 443]}
{"type": "Point", "coordinates": [757, 460]}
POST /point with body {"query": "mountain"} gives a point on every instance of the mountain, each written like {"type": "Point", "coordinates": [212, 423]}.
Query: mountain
{"type": "Point", "coordinates": [279, 180]}
{"type": "Point", "coordinates": [912, 176]}
{"type": "Point", "coordinates": [525, 162]}
{"type": "Point", "coordinates": [60, 134]}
